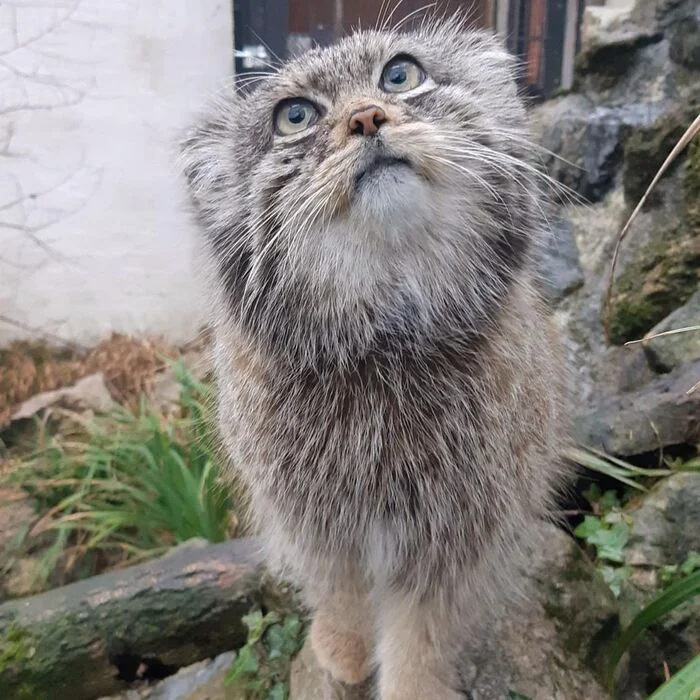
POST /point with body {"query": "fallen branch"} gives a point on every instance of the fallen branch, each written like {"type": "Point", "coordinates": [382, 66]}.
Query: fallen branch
{"type": "Point", "coordinates": [91, 638]}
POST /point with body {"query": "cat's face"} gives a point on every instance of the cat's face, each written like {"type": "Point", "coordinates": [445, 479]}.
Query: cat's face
{"type": "Point", "coordinates": [386, 170]}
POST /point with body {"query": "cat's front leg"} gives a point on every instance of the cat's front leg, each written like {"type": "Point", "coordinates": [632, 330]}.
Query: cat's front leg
{"type": "Point", "coordinates": [341, 633]}
{"type": "Point", "coordinates": [417, 649]}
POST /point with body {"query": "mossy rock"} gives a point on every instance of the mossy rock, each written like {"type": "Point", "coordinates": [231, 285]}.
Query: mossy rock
{"type": "Point", "coordinates": [607, 62]}
{"type": "Point", "coordinates": [645, 151]}
{"type": "Point", "coordinates": [647, 148]}
{"type": "Point", "coordinates": [18, 656]}
{"type": "Point", "coordinates": [691, 186]}
{"type": "Point", "coordinates": [663, 277]}
{"type": "Point", "coordinates": [666, 272]}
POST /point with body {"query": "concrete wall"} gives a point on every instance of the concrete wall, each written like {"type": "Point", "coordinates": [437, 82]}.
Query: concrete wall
{"type": "Point", "coordinates": [94, 234]}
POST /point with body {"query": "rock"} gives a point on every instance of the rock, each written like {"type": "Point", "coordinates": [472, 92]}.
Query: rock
{"type": "Point", "coordinates": [624, 369]}
{"type": "Point", "coordinates": [660, 415]}
{"type": "Point", "coordinates": [90, 392]}
{"type": "Point", "coordinates": [685, 44]}
{"type": "Point", "coordinates": [200, 681]}
{"type": "Point", "coordinates": [665, 525]}
{"type": "Point", "coordinates": [648, 77]}
{"type": "Point", "coordinates": [664, 275]}
{"type": "Point", "coordinates": [662, 272]}
{"type": "Point", "coordinates": [612, 53]}
{"type": "Point", "coordinates": [664, 531]}
{"type": "Point", "coordinates": [667, 352]}
{"type": "Point", "coordinates": [680, 21]}
{"type": "Point", "coordinates": [544, 650]}
{"type": "Point", "coordinates": [606, 25]}
{"type": "Point", "coordinates": [588, 139]}
{"type": "Point", "coordinates": [648, 146]}
{"type": "Point", "coordinates": [559, 264]}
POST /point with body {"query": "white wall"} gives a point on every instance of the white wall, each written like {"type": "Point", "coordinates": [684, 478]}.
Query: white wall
{"type": "Point", "coordinates": [94, 233]}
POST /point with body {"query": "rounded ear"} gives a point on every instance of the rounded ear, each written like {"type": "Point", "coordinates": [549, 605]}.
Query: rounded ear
{"type": "Point", "coordinates": [201, 151]}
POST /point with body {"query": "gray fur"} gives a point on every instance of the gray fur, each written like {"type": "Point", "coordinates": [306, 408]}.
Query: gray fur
{"type": "Point", "coordinates": [390, 387]}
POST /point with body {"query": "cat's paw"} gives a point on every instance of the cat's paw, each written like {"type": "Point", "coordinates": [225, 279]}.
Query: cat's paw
{"type": "Point", "coordinates": [344, 654]}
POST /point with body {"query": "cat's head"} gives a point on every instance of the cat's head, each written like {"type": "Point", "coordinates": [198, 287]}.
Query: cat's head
{"type": "Point", "coordinates": [375, 190]}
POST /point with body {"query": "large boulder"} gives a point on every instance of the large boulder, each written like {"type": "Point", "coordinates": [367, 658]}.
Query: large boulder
{"type": "Point", "coordinates": [660, 415]}
{"type": "Point", "coordinates": [559, 265]}
{"type": "Point", "coordinates": [586, 140]}
{"type": "Point", "coordinates": [662, 270]}
{"type": "Point", "coordinates": [666, 524]}
{"type": "Point", "coordinates": [201, 681]}
{"type": "Point", "coordinates": [668, 352]}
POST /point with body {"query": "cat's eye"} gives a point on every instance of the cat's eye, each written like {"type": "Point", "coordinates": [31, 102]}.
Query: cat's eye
{"type": "Point", "coordinates": [402, 74]}
{"type": "Point", "coordinates": [294, 115]}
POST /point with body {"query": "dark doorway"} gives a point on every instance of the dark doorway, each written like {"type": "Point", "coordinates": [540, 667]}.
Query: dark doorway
{"type": "Point", "coordinates": [260, 30]}
{"type": "Point", "coordinates": [268, 28]}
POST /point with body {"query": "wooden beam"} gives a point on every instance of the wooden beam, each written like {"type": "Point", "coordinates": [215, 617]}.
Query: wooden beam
{"type": "Point", "coordinates": [89, 639]}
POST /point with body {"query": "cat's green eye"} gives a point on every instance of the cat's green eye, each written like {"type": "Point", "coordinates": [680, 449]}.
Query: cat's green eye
{"type": "Point", "coordinates": [294, 115]}
{"type": "Point", "coordinates": [402, 74]}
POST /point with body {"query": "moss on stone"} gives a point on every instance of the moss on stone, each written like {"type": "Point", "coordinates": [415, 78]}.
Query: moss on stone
{"type": "Point", "coordinates": [666, 272]}
{"type": "Point", "coordinates": [646, 147]}
{"type": "Point", "coordinates": [664, 276]}
{"type": "Point", "coordinates": [15, 646]}
{"type": "Point", "coordinates": [17, 650]}
{"type": "Point", "coordinates": [644, 152]}
{"type": "Point", "coordinates": [691, 186]}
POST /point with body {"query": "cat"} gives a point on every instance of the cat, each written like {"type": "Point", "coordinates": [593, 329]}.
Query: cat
{"type": "Point", "coordinates": [391, 388]}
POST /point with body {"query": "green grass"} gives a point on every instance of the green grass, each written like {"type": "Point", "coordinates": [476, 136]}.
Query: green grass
{"type": "Point", "coordinates": [129, 485]}
{"type": "Point", "coordinates": [684, 685]}
{"type": "Point", "coordinates": [668, 600]}
{"type": "Point", "coordinates": [607, 465]}
{"type": "Point", "coordinates": [607, 532]}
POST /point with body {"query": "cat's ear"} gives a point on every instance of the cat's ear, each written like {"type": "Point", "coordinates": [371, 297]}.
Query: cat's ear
{"type": "Point", "coordinates": [195, 151]}
{"type": "Point", "coordinates": [205, 156]}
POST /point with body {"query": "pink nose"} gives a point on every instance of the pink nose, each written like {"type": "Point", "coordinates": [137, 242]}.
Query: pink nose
{"type": "Point", "coordinates": [366, 120]}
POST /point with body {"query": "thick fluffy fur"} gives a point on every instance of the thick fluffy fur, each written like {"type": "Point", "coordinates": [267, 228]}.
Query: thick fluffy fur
{"type": "Point", "coordinates": [390, 387]}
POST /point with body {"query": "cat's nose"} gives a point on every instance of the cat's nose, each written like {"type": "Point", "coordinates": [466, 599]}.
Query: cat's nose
{"type": "Point", "coordinates": [366, 121]}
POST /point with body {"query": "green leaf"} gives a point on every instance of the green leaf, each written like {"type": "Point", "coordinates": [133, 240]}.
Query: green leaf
{"type": "Point", "coordinates": [590, 526]}
{"type": "Point", "coordinates": [609, 501]}
{"type": "Point", "coordinates": [278, 692]}
{"type": "Point", "coordinates": [610, 543]}
{"type": "Point", "coordinates": [683, 685]}
{"type": "Point", "coordinates": [283, 640]}
{"type": "Point", "coordinates": [246, 663]}
{"type": "Point", "coordinates": [691, 563]}
{"type": "Point", "coordinates": [669, 599]}
{"type": "Point", "coordinates": [257, 624]}
{"type": "Point", "coordinates": [614, 577]}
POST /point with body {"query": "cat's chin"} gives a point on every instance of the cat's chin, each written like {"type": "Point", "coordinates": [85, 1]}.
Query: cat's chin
{"type": "Point", "coordinates": [389, 190]}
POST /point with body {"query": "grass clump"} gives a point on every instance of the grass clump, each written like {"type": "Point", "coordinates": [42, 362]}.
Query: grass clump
{"type": "Point", "coordinates": [127, 486]}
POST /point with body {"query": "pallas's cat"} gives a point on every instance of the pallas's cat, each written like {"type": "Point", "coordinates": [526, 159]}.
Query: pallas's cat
{"type": "Point", "coordinates": [389, 384]}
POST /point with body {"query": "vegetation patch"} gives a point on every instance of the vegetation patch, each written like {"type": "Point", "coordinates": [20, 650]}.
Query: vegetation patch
{"type": "Point", "coordinates": [262, 665]}
{"type": "Point", "coordinates": [120, 488]}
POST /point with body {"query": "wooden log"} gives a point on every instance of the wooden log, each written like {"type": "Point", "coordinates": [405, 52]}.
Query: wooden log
{"type": "Point", "coordinates": [93, 637]}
